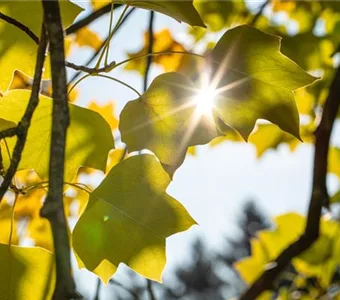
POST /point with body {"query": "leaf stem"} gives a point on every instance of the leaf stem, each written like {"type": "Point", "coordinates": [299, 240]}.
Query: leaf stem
{"type": "Point", "coordinates": [121, 82]}
{"type": "Point", "coordinates": [156, 54]}
{"type": "Point", "coordinates": [106, 46]}
{"type": "Point", "coordinates": [100, 48]}
{"type": "Point", "coordinates": [150, 49]}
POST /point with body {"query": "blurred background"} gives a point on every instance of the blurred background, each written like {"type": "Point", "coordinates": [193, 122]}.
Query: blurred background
{"type": "Point", "coordinates": [231, 188]}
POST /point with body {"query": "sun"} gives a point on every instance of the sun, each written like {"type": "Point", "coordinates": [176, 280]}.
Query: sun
{"type": "Point", "coordinates": [204, 100]}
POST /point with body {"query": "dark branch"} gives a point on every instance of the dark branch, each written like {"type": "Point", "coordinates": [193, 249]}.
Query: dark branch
{"type": "Point", "coordinates": [9, 132]}
{"type": "Point", "coordinates": [53, 208]}
{"type": "Point", "coordinates": [319, 197]}
{"type": "Point", "coordinates": [98, 286]}
{"type": "Point", "coordinates": [131, 292]}
{"type": "Point", "coordinates": [22, 129]}
{"type": "Point", "coordinates": [75, 76]}
{"type": "Point", "coordinates": [259, 13]}
{"type": "Point", "coordinates": [21, 26]}
{"type": "Point", "coordinates": [150, 48]}
{"type": "Point", "coordinates": [88, 70]}
{"type": "Point", "coordinates": [90, 18]}
{"type": "Point", "coordinates": [150, 290]}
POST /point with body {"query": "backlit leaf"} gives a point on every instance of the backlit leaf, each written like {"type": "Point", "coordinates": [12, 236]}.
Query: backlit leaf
{"type": "Point", "coordinates": [163, 42]}
{"type": "Point", "coordinates": [89, 137]}
{"type": "Point", "coordinates": [107, 112]}
{"type": "Point", "coordinates": [182, 11]}
{"type": "Point", "coordinates": [256, 81]}
{"type": "Point", "coordinates": [6, 213]}
{"type": "Point", "coordinates": [26, 273]}
{"type": "Point", "coordinates": [127, 220]}
{"type": "Point", "coordinates": [166, 121]}
{"type": "Point", "coordinates": [17, 50]}
{"type": "Point", "coordinates": [319, 260]}
{"type": "Point", "coordinates": [86, 37]}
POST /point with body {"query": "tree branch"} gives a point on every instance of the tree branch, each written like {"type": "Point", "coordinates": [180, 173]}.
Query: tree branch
{"type": "Point", "coordinates": [319, 197]}
{"type": "Point", "coordinates": [149, 289]}
{"type": "Point", "coordinates": [53, 208]}
{"type": "Point", "coordinates": [22, 129]}
{"type": "Point", "coordinates": [90, 18]}
{"type": "Point", "coordinates": [20, 26]}
{"type": "Point", "coordinates": [150, 48]}
{"type": "Point", "coordinates": [91, 71]}
{"type": "Point", "coordinates": [259, 13]}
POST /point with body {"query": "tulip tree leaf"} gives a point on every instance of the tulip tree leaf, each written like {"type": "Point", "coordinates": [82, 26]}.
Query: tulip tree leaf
{"type": "Point", "coordinates": [165, 120]}
{"type": "Point", "coordinates": [17, 49]}
{"type": "Point", "coordinates": [256, 81]}
{"type": "Point", "coordinates": [182, 11]}
{"type": "Point", "coordinates": [26, 273]}
{"type": "Point", "coordinates": [127, 220]}
{"type": "Point", "coordinates": [89, 137]}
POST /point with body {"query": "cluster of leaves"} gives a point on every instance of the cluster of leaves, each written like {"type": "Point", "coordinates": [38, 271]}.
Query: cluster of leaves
{"type": "Point", "coordinates": [312, 275]}
{"type": "Point", "coordinates": [128, 217]}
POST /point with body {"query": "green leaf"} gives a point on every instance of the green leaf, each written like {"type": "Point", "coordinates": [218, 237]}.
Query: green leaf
{"type": "Point", "coordinates": [89, 137]}
{"type": "Point", "coordinates": [335, 198]}
{"type": "Point", "coordinates": [166, 121]}
{"type": "Point", "coordinates": [256, 80]}
{"type": "Point", "coordinates": [26, 273]}
{"type": "Point", "coordinates": [182, 11]}
{"type": "Point", "coordinates": [127, 220]}
{"type": "Point", "coordinates": [17, 49]}
{"type": "Point", "coordinates": [220, 14]}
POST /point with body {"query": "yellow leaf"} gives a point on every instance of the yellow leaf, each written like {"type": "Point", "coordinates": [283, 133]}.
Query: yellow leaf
{"type": "Point", "coordinates": [287, 5]}
{"type": "Point", "coordinates": [163, 42]}
{"type": "Point", "coordinates": [6, 211]}
{"type": "Point", "coordinates": [107, 112]}
{"type": "Point", "coordinates": [130, 208]}
{"type": "Point", "coordinates": [26, 273]}
{"type": "Point", "coordinates": [20, 81]}
{"type": "Point", "coordinates": [39, 230]}
{"type": "Point", "coordinates": [115, 157]}
{"type": "Point", "coordinates": [17, 50]}
{"type": "Point", "coordinates": [334, 161]}
{"type": "Point", "coordinates": [87, 37]}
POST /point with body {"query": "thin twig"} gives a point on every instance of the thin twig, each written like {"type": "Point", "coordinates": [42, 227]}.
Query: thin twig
{"type": "Point", "coordinates": [150, 50]}
{"type": "Point", "coordinates": [150, 291]}
{"type": "Point", "coordinates": [259, 13]}
{"type": "Point", "coordinates": [75, 76]}
{"type": "Point", "coordinates": [22, 129]}
{"type": "Point", "coordinates": [319, 197]}
{"type": "Point", "coordinates": [91, 71]}
{"type": "Point", "coordinates": [98, 286]}
{"type": "Point", "coordinates": [90, 18]}
{"type": "Point", "coordinates": [156, 54]}
{"type": "Point", "coordinates": [9, 132]}
{"type": "Point", "coordinates": [53, 208]}
{"type": "Point", "coordinates": [131, 292]}
{"type": "Point", "coordinates": [20, 26]}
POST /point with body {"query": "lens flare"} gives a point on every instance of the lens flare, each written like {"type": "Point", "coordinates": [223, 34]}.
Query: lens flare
{"type": "Point", "coordinates": [204, 100]}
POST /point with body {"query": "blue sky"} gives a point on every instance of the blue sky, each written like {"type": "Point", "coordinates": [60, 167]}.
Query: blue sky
{"type": "Point", "coordinates": [214, 184]}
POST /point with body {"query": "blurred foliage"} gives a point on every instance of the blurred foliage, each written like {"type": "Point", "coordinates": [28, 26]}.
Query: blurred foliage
{"type": "Point", "coordinates": [309, 34]}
